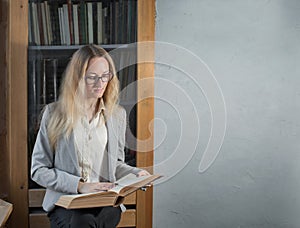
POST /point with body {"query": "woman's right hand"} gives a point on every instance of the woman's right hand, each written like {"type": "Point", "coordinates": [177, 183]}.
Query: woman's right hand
{"type": "Point", "coordinates": [84, 187]}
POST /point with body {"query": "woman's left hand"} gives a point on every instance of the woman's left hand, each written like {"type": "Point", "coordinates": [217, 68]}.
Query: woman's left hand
{"type": "Point", "coordinates": [143, 173]}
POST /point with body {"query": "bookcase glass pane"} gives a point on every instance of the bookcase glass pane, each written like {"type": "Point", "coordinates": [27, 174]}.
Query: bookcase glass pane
{"type": "Point", "coordinates": [56, 30]}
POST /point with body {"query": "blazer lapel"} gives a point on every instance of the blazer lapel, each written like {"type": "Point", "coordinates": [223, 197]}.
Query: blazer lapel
{"type": "Point", "coordinates": [67, 152]}
{"type": "Point", "coordinates": [111, 148]}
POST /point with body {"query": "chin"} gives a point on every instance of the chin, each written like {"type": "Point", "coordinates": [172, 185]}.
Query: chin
{"type": "Point", "coordinates": [96, 95]}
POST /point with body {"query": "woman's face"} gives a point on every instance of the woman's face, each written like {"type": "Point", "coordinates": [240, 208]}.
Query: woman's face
{"type": "Point", "coordinates": [95, 87]}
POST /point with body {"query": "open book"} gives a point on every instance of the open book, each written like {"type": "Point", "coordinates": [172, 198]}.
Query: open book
{"type": "Point", "coordinates": [113, 197]}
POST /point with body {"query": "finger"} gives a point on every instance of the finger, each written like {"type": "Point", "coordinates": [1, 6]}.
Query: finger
{"type": "Point", "coordinates": [140, 174]}
{"type": "Point", "coordinates": [109, 186]}
{"type": "Point", "coordinates": [143, 173]}
{"type": "Point", "coordinates": [106, 186]}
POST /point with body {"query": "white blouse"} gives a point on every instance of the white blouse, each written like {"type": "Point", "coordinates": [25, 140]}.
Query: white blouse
{"type": "Point", "coordinates": [90, 142]}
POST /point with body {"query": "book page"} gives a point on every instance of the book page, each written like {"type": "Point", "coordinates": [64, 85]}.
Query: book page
{"type": "Point", "coordinates": [73, 196]}
{"type": "Point", "coordinates": [127, 180]}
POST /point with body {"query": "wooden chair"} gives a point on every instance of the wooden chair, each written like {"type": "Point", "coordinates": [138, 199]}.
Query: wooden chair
{"type": "Point", "coordinates": [5, 211]}
{"type": "Point", "coordinates": [38, 217]}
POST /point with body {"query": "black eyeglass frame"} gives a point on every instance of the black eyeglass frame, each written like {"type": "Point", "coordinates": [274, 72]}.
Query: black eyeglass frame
{"type": "Point", "coordinates": [109, 75]}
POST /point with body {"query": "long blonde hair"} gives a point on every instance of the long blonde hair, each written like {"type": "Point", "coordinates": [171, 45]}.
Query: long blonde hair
{"type": "Point", "coordinates": [69, 106]}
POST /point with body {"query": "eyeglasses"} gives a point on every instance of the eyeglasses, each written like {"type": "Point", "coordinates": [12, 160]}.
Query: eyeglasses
{"type": "Point", "coordinates": [94, 78]}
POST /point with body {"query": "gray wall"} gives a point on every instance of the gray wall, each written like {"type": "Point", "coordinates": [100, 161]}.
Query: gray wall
{"type": "Point", "coordinates": [252, 47]}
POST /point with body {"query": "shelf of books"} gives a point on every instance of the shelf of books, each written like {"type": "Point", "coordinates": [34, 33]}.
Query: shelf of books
{"type": "Point", "coordinates": [71, 22]}
{"type": "Point", "coordinates": [57, 28]}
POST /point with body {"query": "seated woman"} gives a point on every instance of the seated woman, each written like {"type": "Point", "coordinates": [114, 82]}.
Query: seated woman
{"type": "Point", "coordinates": [80, 144]}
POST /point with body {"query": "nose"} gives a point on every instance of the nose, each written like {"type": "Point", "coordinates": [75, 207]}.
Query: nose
{"type": "Point", "coordinates": [98, 82]}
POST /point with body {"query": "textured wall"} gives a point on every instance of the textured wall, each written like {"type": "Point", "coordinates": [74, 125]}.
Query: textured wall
{"type": "Point", "coordinates": [252, 47]}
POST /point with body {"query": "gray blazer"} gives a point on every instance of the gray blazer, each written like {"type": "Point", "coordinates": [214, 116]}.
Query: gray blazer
{"type": "Point", "coordinates": [59, 172]}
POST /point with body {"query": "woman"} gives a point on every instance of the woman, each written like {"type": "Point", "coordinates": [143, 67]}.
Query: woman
{"type": "Point", "coordinates": [80, 144]}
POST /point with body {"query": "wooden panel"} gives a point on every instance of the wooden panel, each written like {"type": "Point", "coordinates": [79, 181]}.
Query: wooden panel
{"type": "Point", "coordinates": [17, 111]}
{"type": "Point", "coordinates": [145, 109]}
{"type": "Point", "coordinates": [38, 220]}
{"type": "Point", "coordinates": [3, 86]}
{"type": "Point", "coordinates": [130, 199]}
{"type": "Point", "coordinates": [128, 218]}
{"type": "Point", "coordinates": [35, 197]}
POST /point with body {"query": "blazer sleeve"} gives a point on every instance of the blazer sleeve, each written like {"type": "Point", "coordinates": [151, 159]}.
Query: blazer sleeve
{"type": "Point", "coordinates": [43, 170]}
{"type": "Point", "coordinates": [122, 168]}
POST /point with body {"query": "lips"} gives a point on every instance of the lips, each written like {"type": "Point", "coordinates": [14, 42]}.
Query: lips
{"type": "Point", "coordinates": [98, 90]}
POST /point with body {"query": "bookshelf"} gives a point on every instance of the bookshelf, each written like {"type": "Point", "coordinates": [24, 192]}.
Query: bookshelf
{"type": "Point", "coordinates": [15, 62]}
{"type": "Point", "coordinates": [74, 22]}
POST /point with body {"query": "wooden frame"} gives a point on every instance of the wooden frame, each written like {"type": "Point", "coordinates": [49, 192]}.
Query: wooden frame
{"type": "Point", "coordinates": [3, 100]}
{"type": "Point", "coordinates": [145, 109]}
{"type": "Point", "coordinates": [13, 134]}
{"type": "Point", "coordinates": [16, 110]}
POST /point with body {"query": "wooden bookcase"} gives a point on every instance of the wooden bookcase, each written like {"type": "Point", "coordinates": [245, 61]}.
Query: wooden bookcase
{"type": "Point", "coordinates": [13, 113]}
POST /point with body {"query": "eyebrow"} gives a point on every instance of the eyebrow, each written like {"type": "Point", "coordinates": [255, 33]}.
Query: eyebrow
{"type": "Point", "coordinates": [93, 73]}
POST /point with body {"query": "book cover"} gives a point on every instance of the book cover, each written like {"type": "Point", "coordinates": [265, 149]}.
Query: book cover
{"type": "Point", "coordinates": [44, 23]}
{"type": "Point", "coordinates": [105, 27]}
{"type": "Point", "coordinates": [125, 22]}
{"type": "Point", "coordinates": [129, 21]}
{"type": "Point", "coordinates": [40, 23]}
{"type": "Point", "coordinates": [100, 23]}
{"type": "Point", "coordinates": [121, 21]}
{"type": "Point", "coordinates": [116, 18]}
{"type": "Point", "coordinates": [48, 22]}
{"type": "Point", "coordinates": [54, 21]}
{"type": "Point", "coordinates": [32, 92]}
{"type": "Point", "coordinates": [36, 24]}
{"type": "Point", "coordinates": [75, 23]}
{"type": "Point", "coordinates": [133, 21]}
{"type": "Point", "coordinates": [82, 19]}
{"type": "Point", "coordinates": [61, 25]}
{"type": "Point", "coordinates": [90, 22]}
{"type": "Point", "coordinates": [30, 25]}
{"type": "Point", "coordinates": [70, 20]}
{"type": "Point", "coordinates": [110, 23]}
{"type": "Point", "coordinates": [95, 22]}
{"type": "Point", "coordinates": [51, 81]}
{"type": "Point", "coordinates": [66, 26]}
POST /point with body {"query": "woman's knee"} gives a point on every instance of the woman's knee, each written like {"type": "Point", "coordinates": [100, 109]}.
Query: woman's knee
{"type": "Point", "coordinates": [83, 220]}
{"type": "Point", "coordinates": [110, 216]}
